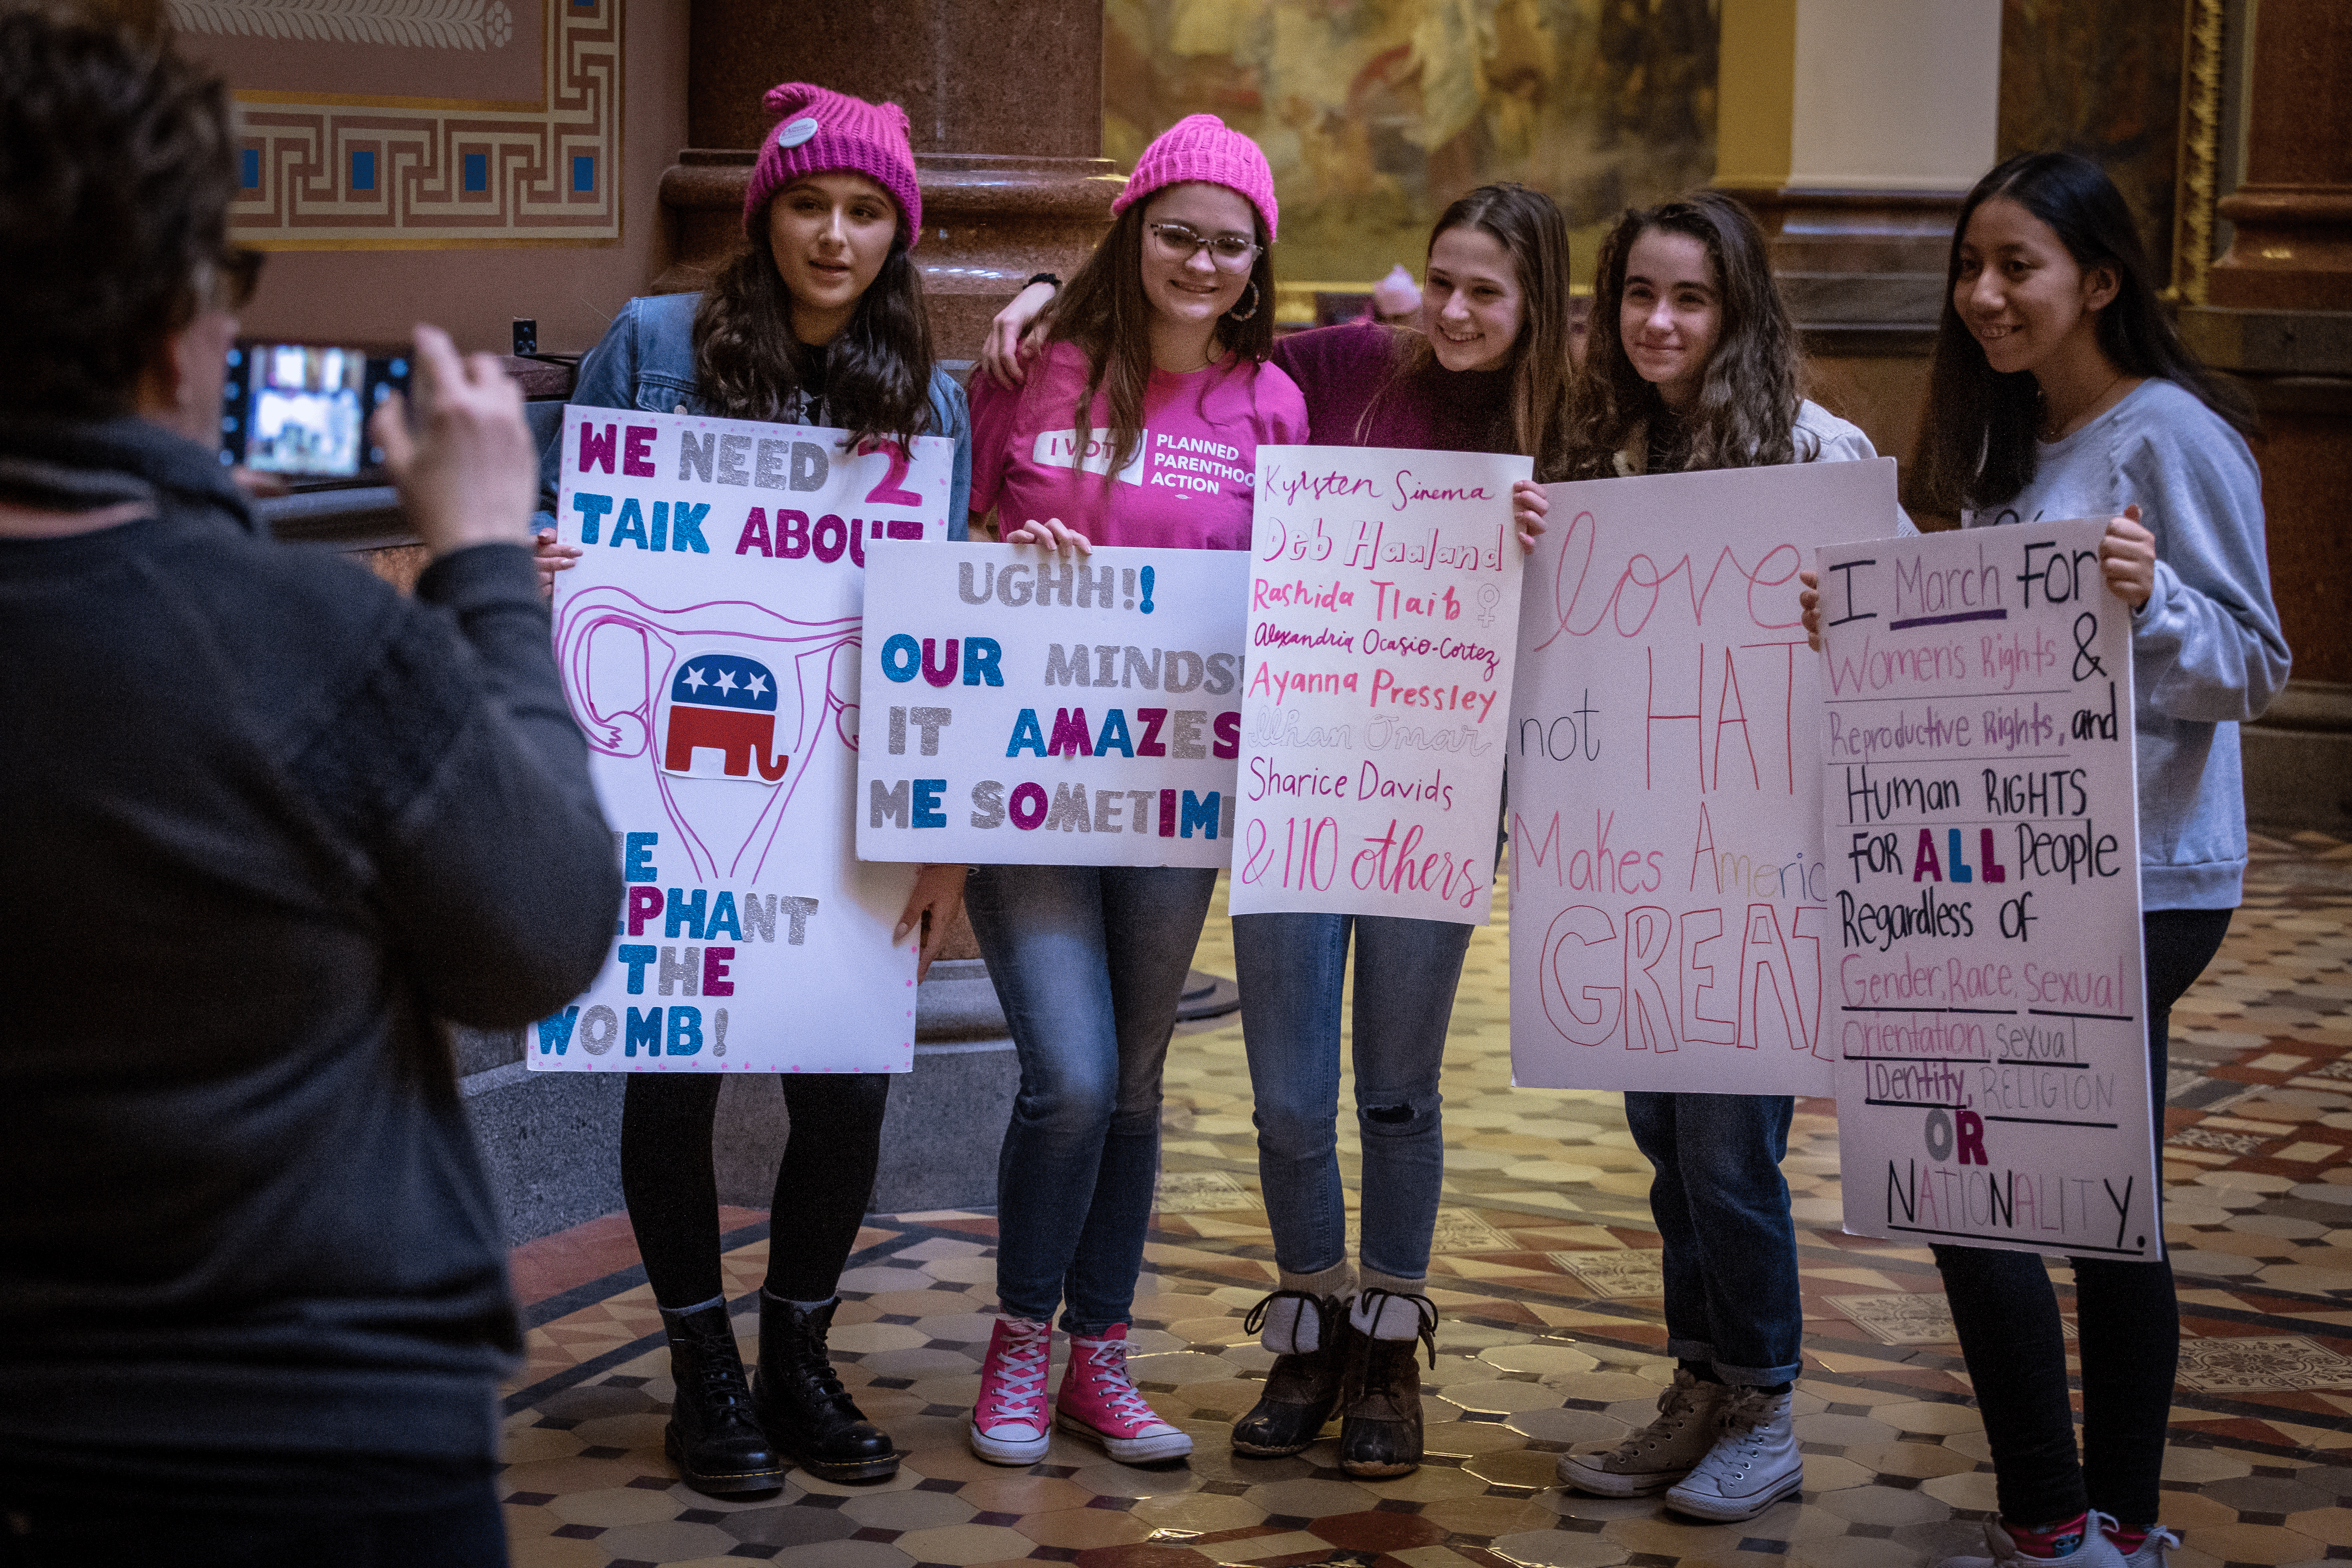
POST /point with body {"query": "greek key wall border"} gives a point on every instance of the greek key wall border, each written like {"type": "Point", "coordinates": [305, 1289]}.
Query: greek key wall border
{"type": "Point", "coordinates": [323, 172]}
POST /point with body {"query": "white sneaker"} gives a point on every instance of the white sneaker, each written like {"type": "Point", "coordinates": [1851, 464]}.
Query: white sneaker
{"type": "Point", "coordinates": [1753, 1464]}
{"type": "Point", "coordinates": [2150, 1552]}
{"type": "Point", "coordinates": [2096, 1551]}
{"type": "Point", "coordinates": [1659, 1453]}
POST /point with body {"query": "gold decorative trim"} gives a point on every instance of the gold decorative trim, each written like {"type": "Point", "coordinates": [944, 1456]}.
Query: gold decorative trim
{"type": "Point", "coordinates": [404, 24]}
{"type": "Point", "coordinates": [2201, 152]}
{"type": "Point", "coordinates": [379, 100]}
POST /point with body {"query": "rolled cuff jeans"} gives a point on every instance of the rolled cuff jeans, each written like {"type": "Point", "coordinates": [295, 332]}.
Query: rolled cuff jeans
{"type": "Point", "coordinates": [1291, 969]}
{"type": "Point", "coordinates": [1722, 1206]}
{"type": "Point", "coordinates": [1090, 963]}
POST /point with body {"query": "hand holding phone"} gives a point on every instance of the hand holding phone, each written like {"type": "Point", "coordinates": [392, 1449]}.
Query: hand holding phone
{"type": "Point", "coordinates": [466, 467]}
{"type": "Point", "coordinates": [301, 410]}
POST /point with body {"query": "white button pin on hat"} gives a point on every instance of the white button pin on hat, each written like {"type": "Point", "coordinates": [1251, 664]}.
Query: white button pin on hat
{"type": "Point", "coordinates": [798, 131]}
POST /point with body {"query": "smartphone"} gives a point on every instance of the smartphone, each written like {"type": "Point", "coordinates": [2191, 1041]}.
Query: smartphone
{"type": "Point", "coordinates": [301, 409]}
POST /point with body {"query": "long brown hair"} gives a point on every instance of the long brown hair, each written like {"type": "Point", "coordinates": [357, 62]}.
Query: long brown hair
{"type": "Point", "coordinates": [1753, 388]}
{"type": "Point", "coordinates": [1977, 443]}
{"type": "Point", "coordinates": [1108, 316]}
{"type": "Point", "coordinates": [877, 373]}
{"type": "Point", "coordinates": [1529, 225]}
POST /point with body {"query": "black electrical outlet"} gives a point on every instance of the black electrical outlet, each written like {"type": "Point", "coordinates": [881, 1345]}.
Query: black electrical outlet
{"type": "Point", "coordinates": [526, 336]}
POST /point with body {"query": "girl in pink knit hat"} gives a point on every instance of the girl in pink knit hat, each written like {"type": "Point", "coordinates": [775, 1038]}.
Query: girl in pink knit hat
{"type": "Point", "coordinates": [1489, 373]}
{"type": "Point", "coordinates": [1157, 357]}
{"type": "Point", "coordinates": [818, 320]}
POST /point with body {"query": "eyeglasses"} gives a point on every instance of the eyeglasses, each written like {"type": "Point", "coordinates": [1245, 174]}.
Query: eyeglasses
{"type": "Point", "coordinates": [1182, 242]}
{"type": "Point", "coordinates": [236, 275]}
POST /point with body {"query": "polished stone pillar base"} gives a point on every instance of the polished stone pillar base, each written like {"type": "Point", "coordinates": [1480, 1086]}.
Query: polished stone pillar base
{"type": "Point", "coordinates": [1864, 275]}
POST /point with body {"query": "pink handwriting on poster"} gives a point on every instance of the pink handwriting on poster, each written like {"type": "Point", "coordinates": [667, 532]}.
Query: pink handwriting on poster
{"type": "Point", "coordinates": [1668, 890]}
{"type": "Point", "coordinates": [1385, 597]}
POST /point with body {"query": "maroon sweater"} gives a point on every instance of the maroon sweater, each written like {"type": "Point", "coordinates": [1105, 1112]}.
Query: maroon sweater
{"type": "Point", "coordinates": [1343, 369]}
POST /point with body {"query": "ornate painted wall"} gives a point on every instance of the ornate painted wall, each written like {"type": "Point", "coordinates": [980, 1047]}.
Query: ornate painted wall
{"type": "Point", "coordinates": [408, 123]}
{"type": "Point", "coordinates": [463, 162]}
{"type": "Point", "coordinates": [2100, 78]}
{"type": "Point", "coordinates": [1376, 113]}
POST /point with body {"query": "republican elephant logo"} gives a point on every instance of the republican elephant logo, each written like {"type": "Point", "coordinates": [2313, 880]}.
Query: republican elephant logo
{"type": "Point", "coordinates": [726, 703]}
{"type": "Point", "coordinates": [669, 687]}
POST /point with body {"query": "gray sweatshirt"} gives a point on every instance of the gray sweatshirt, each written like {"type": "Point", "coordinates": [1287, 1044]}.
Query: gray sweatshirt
{"type": "Point", "coordinates": [2207, 652]}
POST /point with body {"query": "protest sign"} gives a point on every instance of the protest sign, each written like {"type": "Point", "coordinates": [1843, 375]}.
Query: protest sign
{"type": "Point", "coordinates": [1027, 708]}
{"type": "Point", "coordinates": [1668, 890]}
{"type": "Point", "coordinates": [707, 640]}
{"type": "Point", "coordinates": [1981, 815]}
{"type": "Point", "coordinates": [1383, 607]}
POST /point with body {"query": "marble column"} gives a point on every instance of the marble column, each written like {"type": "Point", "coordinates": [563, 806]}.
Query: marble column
{"type": "Point", "coordinates": [2270, 113]}
{"type": "Point", "coordinates": [1004, 102]}
{"type": "Point", "coordinates": [1853, 128]}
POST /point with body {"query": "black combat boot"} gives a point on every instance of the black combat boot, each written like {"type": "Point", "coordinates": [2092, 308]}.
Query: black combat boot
{"type": "Point", "coordinates": [1302, 1386]}
{"type": "Point", "coordinates": [802, 1404]}
{"type": "Point", "coordinates": [713, 1438]}
{"type": "Point", "coordinates": [1380, 1396]}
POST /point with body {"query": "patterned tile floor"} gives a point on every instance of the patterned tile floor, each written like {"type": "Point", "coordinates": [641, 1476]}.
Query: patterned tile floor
{"type": "Point", "coordinates": [1552, 1336]}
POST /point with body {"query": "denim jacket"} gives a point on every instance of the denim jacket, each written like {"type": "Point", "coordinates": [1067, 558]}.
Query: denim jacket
{"type": "Point", "coordinates": [646, 361]}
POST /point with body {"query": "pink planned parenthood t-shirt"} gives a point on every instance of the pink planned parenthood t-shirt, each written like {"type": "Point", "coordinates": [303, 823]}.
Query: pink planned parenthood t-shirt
{"type": "Point", "coordinates": [1190, 483]}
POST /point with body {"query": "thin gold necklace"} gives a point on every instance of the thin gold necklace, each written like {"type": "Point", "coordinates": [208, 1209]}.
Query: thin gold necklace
{"type": "Point", "coordinates": [2053, 431]}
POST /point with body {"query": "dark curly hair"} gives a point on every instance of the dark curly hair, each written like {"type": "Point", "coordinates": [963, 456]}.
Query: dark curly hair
{"type": "Point", "coordinates": [877, 373]}
{"type": "Point", "coordinates": [116, 173]}
{"type": "Point", "coordinates": [1749, 401]}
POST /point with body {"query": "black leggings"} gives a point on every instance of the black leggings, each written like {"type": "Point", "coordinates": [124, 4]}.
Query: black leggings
{"type": "Point", "coordinates": [2007, 1315]}
{"type": "Point", "coordinates": [822, 1183]}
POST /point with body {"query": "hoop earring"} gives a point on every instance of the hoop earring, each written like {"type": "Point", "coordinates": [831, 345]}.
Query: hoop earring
{"type": "Point", "coordinates": [1246, 315]}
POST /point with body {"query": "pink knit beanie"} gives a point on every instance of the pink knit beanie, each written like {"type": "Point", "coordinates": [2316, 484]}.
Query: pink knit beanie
{"type": "Point", "coordinates": [1199, 147]}
{"type": "Point", "coordinates": [821, 132]}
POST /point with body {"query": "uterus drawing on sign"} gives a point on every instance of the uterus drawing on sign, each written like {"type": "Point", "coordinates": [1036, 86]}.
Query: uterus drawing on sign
{"type": "Point", "coordinates": [730, 705]}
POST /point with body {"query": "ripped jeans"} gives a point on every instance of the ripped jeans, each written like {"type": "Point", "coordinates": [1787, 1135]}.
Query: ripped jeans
{"type": "Point", "coordinates": [1291, 970]}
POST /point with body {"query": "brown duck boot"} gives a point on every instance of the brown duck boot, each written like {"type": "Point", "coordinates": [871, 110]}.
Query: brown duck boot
{"type": "Point", "coordinates": [1304, 1380]}
{"type": "Point", "coordinates": [1380, 1394]}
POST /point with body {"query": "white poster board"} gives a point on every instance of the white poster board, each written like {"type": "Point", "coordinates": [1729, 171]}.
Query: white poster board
{"type": "Point", "coordinates": [1668, 892]}
{"type": "Point", "coordinates": [1383, 610]}
{"type": "Point", "coordinates": [1980, 808]}
{"type": "Point", "coordinates": [708, 641]}
{"type": "Point", "coordinates": [1033, 709]}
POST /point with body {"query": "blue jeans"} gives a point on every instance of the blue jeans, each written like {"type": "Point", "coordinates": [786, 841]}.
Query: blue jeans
{"type": "Point", "coordinates": [1731, 1247]}
{"type": "Point", "coordinates": [1291, 970]}
{"type": "Point", "coordinates": [1089, 961]}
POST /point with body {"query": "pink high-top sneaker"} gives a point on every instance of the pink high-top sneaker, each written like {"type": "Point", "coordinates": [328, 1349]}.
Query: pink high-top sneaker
{"type": "Point", "coordinates": [1009, 1424]}
{"type": "Point", "coordinates": [1099, 1403]}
